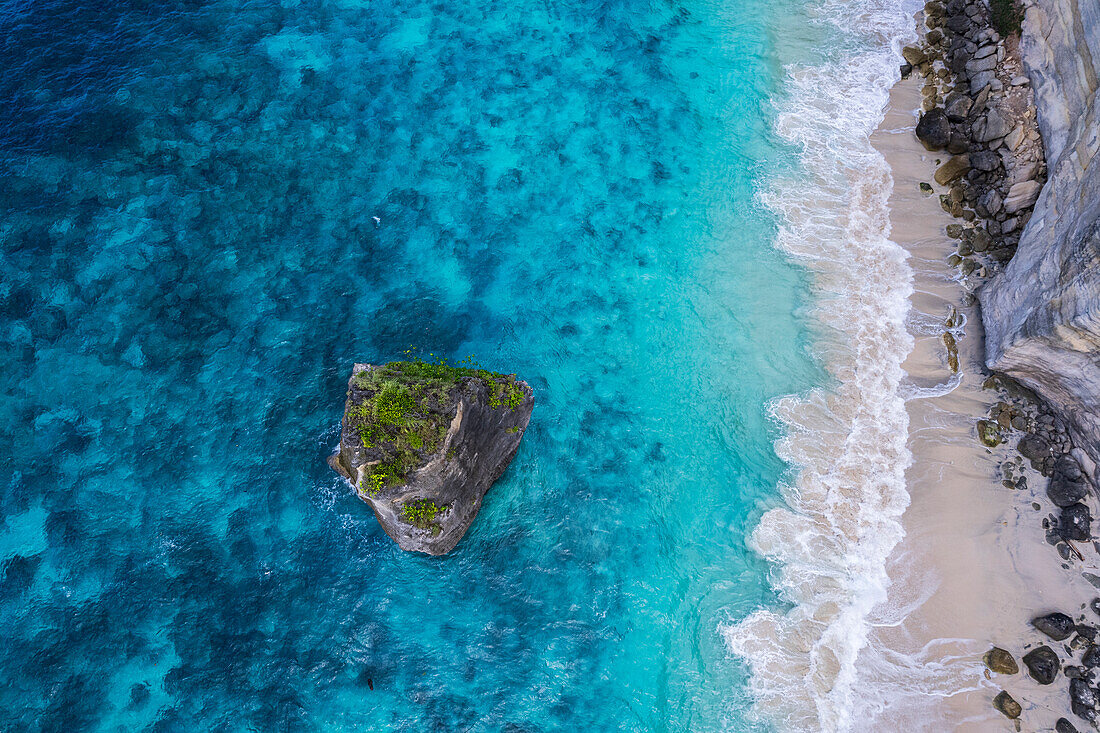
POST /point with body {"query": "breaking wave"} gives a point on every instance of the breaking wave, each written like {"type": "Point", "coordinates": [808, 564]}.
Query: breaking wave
{"type": "Point", "coordinates": [847, 444]}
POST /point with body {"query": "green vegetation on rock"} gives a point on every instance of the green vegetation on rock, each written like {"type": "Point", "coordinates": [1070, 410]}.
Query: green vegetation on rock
{"type": "Point", "coordinates": [421, 512]}
{"type": "Point", "coordinates": [407, 409]}
{"type": "Point", "coordinates": [1007, 16]}
{"type": "Point", "coordinates": [989, 433]}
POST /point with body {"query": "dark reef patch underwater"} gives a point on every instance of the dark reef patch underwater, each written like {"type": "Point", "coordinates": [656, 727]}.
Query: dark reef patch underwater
{"type": "Point", "coordinates": [211, 210]}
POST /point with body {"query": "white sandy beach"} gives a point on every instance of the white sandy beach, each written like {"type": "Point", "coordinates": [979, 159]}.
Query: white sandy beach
{"type": "Point", "coordinates": [974, 567]}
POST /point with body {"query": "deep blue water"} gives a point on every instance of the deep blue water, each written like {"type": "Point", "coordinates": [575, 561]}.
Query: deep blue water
{"type": "Point", "coordinates": [210, 211]}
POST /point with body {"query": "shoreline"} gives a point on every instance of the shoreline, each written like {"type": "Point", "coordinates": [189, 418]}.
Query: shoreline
{"type": "Point", "coordinates": [980, 526]}
{"type": "Point", "coordinates": [985, 567]}
{"type": "Point", "coordinates": [845, 441]}
{"type": "Point", "coordinates": [918, 536]}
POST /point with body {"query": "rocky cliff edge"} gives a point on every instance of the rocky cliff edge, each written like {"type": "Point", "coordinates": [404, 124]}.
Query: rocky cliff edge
{"type": "Point", "coordinates": [1042, 314]}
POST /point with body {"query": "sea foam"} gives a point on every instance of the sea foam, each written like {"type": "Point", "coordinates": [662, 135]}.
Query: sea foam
{"type": "Point", "coordinates": [846, 444]}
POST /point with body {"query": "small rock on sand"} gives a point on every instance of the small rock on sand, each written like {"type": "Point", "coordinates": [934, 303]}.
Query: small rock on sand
{"type": "Point", "coordinates": [952, 169]}
{"type": "Point", "coordinates": [1042, 664]}
{"type": "Point", "coordinates": [1000, 661]}
{"type": "Point", "coordinates": [1057, 626]}
{"type": "Point", "coordinates": [1007, 705]}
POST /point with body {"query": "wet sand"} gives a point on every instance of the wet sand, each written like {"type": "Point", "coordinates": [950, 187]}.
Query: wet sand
{"type": "Point", "coordinates": [974, 567]}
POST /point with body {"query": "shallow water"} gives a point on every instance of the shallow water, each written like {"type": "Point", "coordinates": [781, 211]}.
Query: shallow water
{"type": "Point", "coordinates": [212, 210]}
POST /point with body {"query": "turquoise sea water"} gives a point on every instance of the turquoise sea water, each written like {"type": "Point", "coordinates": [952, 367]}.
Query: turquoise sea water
{"type": "Point", "coordinates": [211, 210]}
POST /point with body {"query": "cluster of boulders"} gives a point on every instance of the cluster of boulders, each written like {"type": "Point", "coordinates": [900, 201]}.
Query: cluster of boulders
{"type": "Point", "coordinates": [1045, 661]}
{"type": "Point", "coordinates": [977, 107]}
{"type": "Point", "coordinates": [1047, 445]}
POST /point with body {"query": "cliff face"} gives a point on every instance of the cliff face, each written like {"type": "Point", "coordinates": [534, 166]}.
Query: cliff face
{"type": "Point", "coordinates": [1042, 314]}
{"type": "Point", "coordinates": [422, 443]}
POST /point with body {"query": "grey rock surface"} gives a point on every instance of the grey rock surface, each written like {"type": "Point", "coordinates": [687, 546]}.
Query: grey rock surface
{"type": "Point", "coordinates": [425, 466]}
{"type": "Point", "coordinates": [1042, 313]}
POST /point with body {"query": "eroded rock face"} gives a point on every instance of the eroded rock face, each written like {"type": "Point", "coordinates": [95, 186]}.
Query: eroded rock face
{"type": "Point", "coordinates": [1042, 314]}
{"type": "Point", "coordinates": [422, 443]}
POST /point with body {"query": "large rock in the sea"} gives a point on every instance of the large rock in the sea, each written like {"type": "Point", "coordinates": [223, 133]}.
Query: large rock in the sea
{"type": "Point", "coordinates": [1042, 313]}
{"type": "Point", "coordinates": [1042, 664]}
{"type": "Point", "coordinates": [422, 443]}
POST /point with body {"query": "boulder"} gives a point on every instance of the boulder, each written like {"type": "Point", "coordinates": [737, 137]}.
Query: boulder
{"type": "Point", "coordinates": [422, 443]}
{"type": "Point", "coordinates": [1034, 448]}
{"type": "Point", "coordinates": [1064, 726]}
{"type": "Point", "coordinates": [913, 55]}
{"type": "Point", "coordinates": [933, 129]}
{"type": "Point", "coordinates": [1042, 664]}
{"type": "Point", "coordinates": [955, 166]}
{"type": "Point", "coordinates": [958, 143]}
{"type": "Point", "coordinates": [1014, 138]}
{"type": "Point", "coordinates": [1082, 697]}
{"type": "Point", "coordinates": [1068, 467]}
{"type": "Point", "coordinates": [958, 23]}
{"type": "Point", "coordinates": [1007, 705]}
{"type": "Point", "coordinates": [978, 65]}
{"type": "Point", "coordinates": [1022, 195]}
{"type": "Point", "coordinates": [981, 80]}
{"type": "Point", "coordinates": [957, 106]}
{"type": "Point", "coordinates": [1057, 626]}
{"type": "Point", "coordinates": [1075, 523]}
{"type": "Point", "coordinates": [990, 49]}
{"type": "Point", "coordinates": [1000, 661]}
{"type": "Point", "coordinates": [990, 204]}
{"type": "Point", "coordinates": [1091, 657]}
{"type": "Point", "coordinates": [985, 161]}
{"type": "Point", "coordinates": [989, 433]}
{"type": "Point", "coordinates": [991, 127]}
{"type": "Point", "coordinates": [1064, 492]}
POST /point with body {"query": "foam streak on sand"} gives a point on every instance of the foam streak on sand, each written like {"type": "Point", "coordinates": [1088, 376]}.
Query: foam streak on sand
{"type": "Point", "coordinates": [831, 541]}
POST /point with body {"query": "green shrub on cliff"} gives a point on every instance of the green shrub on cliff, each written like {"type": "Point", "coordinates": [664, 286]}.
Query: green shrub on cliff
{"type": "Point", "coordinates": [392, 403]}
{"type": "Point", "coordinates": [421, 512]}
{"type": "Point", "coordinates": [1007, 16]}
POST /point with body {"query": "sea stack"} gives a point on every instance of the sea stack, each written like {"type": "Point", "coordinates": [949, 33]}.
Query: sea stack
{"type": "Point", "coordinates": [422, 443]}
